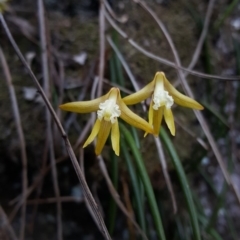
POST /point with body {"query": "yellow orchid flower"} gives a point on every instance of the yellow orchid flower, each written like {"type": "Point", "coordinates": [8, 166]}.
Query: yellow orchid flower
{"type": "Point", "coordinates": [108, 107]}
{"type": "Point", "coordinates": [163, 94]}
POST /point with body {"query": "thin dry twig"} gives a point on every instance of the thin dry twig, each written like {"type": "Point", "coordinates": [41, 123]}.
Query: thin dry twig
{"type": "Point", "coordinates": [81, 163]}
{"type": "Point", "coordinates": [46, 87]}
{"type": "Point", "coordinates": [126, 197]}
{"type": "Point", "coordinates": [192, 134]}
{"type": "Point", "coordinates": [122, 19]}
{"type": "Point", "coordinates": [22, 143]}
{"type": "Point", "coordinates": [115, 195]}
{"type": "Point", "coordinates": [162, 160]}
{"type": "Point", "coordinates": [5, 226]}
{"type": "Point", "coordinates": [102, 47]}
{"type": "Point", "coordinates": [163, 60]}
{"type": "Point", "coordinates": [60, 78]}
{"type": "Point", "coordinates": [123, 89]}
{"type": "Point", "coordinates": [201, 40]}
{"type": "Point", "coordinates": [70, 151]}
{"type": "Point", "coordinates": [203, 35]}
{"type": "Point", "coordinates": [45, 170]}
{"type": "Point", "coordinates": [55, 200]}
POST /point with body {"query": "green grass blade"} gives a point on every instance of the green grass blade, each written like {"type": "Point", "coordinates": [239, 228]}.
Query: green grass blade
{"type": "Point", "coordinates": [135, 186]}
{"type": "Point", "coordinates": [215, 113]}
{"type": "Point", "coordinates": [236, 46]}
{"type": "Point", "coordinates": [184, 183]}
{"type": "Point", "coordinates": [208, 180]}
{"type": "Point", "coordinates": [146, 182]}
{"type": "Point", "coordinates": [112, 69]}
{"type": "Point", "coordinates": [112, 205]}
{"type": "Point", "coordinates": [226, 13]}
{"type": "Point", "coordinates": [135, 136]}
{"type": "Point", "coordinates": [117, 63]}
{"type": "Point", "coordinates": [215, 234]}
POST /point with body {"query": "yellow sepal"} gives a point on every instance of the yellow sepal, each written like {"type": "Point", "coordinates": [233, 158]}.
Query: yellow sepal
{"type": "Point", "coordinates": [94, 133]}
{"type": "Point", "coordinates": [169, 119]}
{"type": "Point", "coordinates": [178, 97]}
{"type": "Point", "coordinates": [84, 106]}
{"type": "Point", "coordinates": [140, 95]}
{"type": "Point", "coordinates": [133, 119]}
{"type": "Point", "coordinates": [157, 120]}
{"type": "Point", "coordinates": [115, 137]}
{"type": "Point", "coordinates": [102, 135]}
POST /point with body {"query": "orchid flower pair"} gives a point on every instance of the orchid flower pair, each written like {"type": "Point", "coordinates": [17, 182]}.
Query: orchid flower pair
{"type": "Point", "coordinates": [111, 106]}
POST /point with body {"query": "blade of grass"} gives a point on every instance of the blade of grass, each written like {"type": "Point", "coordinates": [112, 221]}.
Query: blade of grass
{"type": "Point", "coordinates": [218, 205]}
{"type": "Point", "coordinates": [237, 53]}
{"type": "Point", "coordinates": [135, 136]}
{"type": "Point", "coordinates": [117, 63]}
{"type": "Point", "coordinates": [146, 182]}
{"type": "Point", "coordinates": [236, 45]}
{"type": "Point", "coordinates": [211, 233]}
{"type": "Point", "coordinates": [179, 229]}
{"type": "Point", "coordinates": [226, 13]}
{"type": "Point", "coordinates": [233, 232]}
{"type": "Point", "coordinates": [116, 196]}
{"type": "Point", "coordinates": [184, 183]}
{"type": "Point", "coordinates": [112, 205]}
{"type": "Point", "coordinates": [215, 234]}
{"type": "Point", "coordinates": [112, 69]}
{"type": "Point", "coordinates": [135, 185]}
{"type": "Point", "coordinates": [208, 180]}
{"type": "Point", "coordinates": [215, 113]}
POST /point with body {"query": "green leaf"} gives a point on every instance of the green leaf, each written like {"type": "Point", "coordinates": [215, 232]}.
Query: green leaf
{"type": "Point", "coordinates": [135, 185]}
{"type": "Point", "coordinates": [184, 183]}
{"type": "Point", "coordinates": [112, 205]}
{"type": "Point", "coordinates": [145, 180]}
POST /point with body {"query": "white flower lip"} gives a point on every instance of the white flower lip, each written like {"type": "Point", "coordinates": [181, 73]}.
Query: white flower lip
{"type": "Point", "coordinates": [161, 98]}
{"type": "Point", "coordinates": [108, 110]}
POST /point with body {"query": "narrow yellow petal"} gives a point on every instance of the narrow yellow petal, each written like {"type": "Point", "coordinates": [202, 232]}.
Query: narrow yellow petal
{"type": "Point", "coordinates": [150, 113]}
{"type": "Point", "coordinates": [133, 119]}
{"type": "Point", "coordinates": [102, 135]}
{"type": "Point", "coordinates": [140, 95]}
{"type": "Point", "coordinates": [94, 133]}
{"type": "Point", "coordinates": [168, 116]}
{"type": "Point", "coordinates": [150, 116]}
{"type": "Point", "coordinates": [115, 137]}
{"type": "Point", "coordinates": [84, 106]}
{"type": "Point", "coordinates": [157, 120]}
{"type": "Point", "coordinates": [180, 98]}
